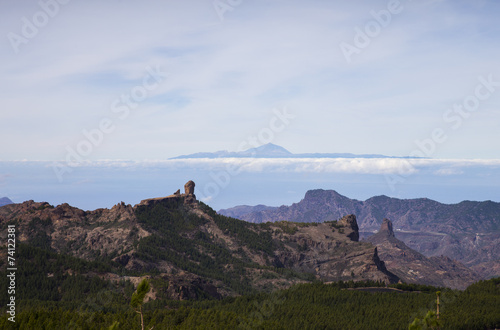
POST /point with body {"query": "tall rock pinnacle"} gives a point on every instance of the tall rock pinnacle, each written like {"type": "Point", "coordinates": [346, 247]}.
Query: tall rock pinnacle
{"type": "Point", "coordinates": [190, 197]}
{"type": "Point", "coordinates": [189, 188]}
{"type": "Point", "coordinates": [349, 221]}
{"type": "Point", "coordinates": [386, 227]}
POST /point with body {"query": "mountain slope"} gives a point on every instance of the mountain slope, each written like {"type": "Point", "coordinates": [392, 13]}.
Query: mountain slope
{"type": "Point", "coordinates": [468, 231]}
{"type": "Point", "coordinates": [190, 251]}
{"type": "Point", "coordinates": [413, 267]}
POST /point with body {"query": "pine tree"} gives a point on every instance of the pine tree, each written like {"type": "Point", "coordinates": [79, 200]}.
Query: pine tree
{"type": "Point", "coordinates": [114, 326]}
{"type": "Point", "coordinates": [138, 298]}
{"type": "Point", "coordinates": [438, 294]}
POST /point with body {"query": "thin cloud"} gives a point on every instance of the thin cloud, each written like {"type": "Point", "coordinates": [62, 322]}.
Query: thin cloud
{"type": "Point", "coordinates": [231, 73]}
{"type": "Point", "coordinates": [375, 166]}
{"type": "Point", "coordinates": [448, 171]}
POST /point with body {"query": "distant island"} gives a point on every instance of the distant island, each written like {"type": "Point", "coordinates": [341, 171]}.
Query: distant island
{"type": "Point", "coordinates": [274, 151]}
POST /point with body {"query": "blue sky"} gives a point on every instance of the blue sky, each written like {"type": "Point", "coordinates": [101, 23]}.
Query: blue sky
{"type": "Point", "coordinates": [144, 81]}
{"type": "Point", "coordinates": [223, 77]}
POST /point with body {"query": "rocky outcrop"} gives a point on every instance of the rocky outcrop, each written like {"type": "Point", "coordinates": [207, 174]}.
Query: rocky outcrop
{"type": "Point", "coordinates": [189, 188]}
{"type": "Point", "coordinates": [329, 251]}
{"type": "Point", "coordinates": [413, 267]}
{"type": "Point", "coordinates": [186, 286]}
{"type": "Point", "coordinates": [351, 227]}
{"type": "Point", "coordinates": [84, 234]}
{"type": "Point", "coordinates": [189, 197]}
{"type": "Point", "coordinates": [386, 228]}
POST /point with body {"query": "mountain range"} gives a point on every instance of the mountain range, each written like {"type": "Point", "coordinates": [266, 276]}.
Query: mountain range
{"type": "Point", "coordinates": [468, 232]}
{"type": "Point", "coordinates": [189, 251]}
{"type": "Point", "coordinates": [274, 151]}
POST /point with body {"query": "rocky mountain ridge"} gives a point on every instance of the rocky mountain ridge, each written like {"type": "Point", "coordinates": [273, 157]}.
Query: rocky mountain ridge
{"type": "Point", "coordinates": [409, 214]}
{"type": "Point", "coordinates": [191, 251]}
{"type": "Point", "coordinates": [468, 232]}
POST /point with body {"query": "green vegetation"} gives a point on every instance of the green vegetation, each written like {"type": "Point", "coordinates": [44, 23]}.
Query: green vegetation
{"type": "Point", "coordinates": [58, 291]}
{"type": "Point", "coordinates": [304, 306]}
{"type": "Point", "coordinates": [178, 239]}
{"type": "Point", "coordinates": [287, 227]}
{"type": "Point", "coordinates": [249, 235]}
{"type": "Point", "coordinates": [53, 292]}
{"type": "Point", "coordinates": [430, 321]}
{"type": "Point", "coordinates": [138, 298]}
{"type": "Point", "coordinates": [47, 276]}
{"type": "Point", "coordinates": [45, 206]}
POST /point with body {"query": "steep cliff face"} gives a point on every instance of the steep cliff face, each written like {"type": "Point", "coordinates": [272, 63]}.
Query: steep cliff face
{"type": "Point", "coordinates": [468, 231]}
{"type": "Point", "coordinates": [330, 251]}
{"type": "Point", "coordinates": [195, 250]}
{"type": "Point", "coordinates": [413, 267]}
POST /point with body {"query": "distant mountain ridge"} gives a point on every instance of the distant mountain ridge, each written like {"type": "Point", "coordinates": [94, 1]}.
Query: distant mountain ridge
{"type": "Point", "coordinates": [5, 201]}
{"type": "Point", "coordinates": [468, 231]}
{"type": "Point", "coordinates": [274, 151]}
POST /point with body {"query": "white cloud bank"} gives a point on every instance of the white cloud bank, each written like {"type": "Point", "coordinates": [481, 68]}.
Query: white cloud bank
{"type": "Point", "coordinates": [374, 166]}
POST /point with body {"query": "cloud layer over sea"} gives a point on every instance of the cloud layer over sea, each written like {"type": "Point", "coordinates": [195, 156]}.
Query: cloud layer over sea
{"type": "Point", "coordinates": [226, 182]}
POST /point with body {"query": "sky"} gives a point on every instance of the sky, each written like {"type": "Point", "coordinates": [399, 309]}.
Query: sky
{"type": "Point", "coordinates": [122, 80]}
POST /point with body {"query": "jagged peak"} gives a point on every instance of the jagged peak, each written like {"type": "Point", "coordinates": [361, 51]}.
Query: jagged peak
{"type": "Point", "coordinates": [349, 221]}
{"type": "Point", "coordinates": [189, 196]}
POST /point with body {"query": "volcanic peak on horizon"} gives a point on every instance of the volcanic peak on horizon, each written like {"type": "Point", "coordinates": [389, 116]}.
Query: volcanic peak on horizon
{"type": "Point", "coordinates": [5, 201]}
{"type": "Point", "coordinates": [271, 150]}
